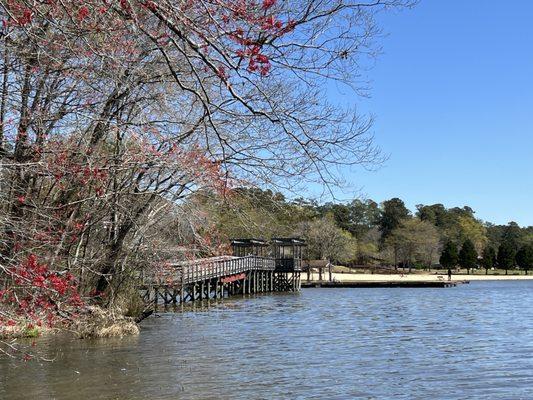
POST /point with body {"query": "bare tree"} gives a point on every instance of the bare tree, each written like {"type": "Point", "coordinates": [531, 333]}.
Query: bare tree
{"type": "Point", "coordinates": [113, 113]}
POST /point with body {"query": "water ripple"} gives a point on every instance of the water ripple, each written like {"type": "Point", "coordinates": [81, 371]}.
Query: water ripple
{"type": "Point", "coordinates": [470, 342]}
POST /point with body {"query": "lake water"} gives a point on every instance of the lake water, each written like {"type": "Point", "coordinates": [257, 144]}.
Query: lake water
{"type": "Point", "coordinates": [470, 342]}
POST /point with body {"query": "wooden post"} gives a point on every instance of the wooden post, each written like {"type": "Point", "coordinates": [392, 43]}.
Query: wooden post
{"type": "Point", "coordinates": [193, 292]}
{"type": "Point", "coordinates": [174, 295]}
{"type": "Point", "coordinates": [208, 289]}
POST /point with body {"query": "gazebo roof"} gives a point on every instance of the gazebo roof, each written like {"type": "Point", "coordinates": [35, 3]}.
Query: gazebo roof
{"type": "Point", "coordinates": [249, 242]}
{"type": "Point", "coordinates": [289, 241]}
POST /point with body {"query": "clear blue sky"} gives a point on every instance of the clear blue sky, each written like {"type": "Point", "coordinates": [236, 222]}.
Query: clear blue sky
{"type": "Point", "coordinates": [453, 100]}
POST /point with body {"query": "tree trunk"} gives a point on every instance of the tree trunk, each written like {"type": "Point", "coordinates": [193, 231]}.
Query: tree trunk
{"type": "Point", "coordinates": [116, 247]}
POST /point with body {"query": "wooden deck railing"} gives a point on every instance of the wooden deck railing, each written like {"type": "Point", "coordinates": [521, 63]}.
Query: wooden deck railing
{"type": "Point", "coordinates": [205, 269]}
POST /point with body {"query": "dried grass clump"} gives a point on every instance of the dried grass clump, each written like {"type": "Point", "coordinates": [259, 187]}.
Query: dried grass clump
{"type": "Point", "coordinates": [100, 323]}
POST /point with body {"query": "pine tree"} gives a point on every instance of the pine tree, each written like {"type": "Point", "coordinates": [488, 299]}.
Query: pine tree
{"type": "Point", "coordinates": [524, 257]}
{"type": "Point", "coordinates": [449, 257]}
{"type": "Point", "coordinates": [489, 258]}
{"type": "Point", "coordinates": [506, 255]}
{"type": "Point", "coordinates": [468, 255]}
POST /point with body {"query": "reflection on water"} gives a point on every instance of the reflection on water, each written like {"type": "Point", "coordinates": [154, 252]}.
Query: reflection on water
{"type": "Point", "coordinates": [470, 342]}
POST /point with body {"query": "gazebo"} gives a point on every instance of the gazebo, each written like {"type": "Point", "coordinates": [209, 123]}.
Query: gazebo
{"type": "Point", "coordinates": [288, 253]}
{"type": "Point", "coordinates": [249, 247]}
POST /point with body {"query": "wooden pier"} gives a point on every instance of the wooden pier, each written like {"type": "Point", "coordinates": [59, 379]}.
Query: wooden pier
{"type": "Point", "coordinates": [220, 277]}
{"type": "Point", "coordinates": [382, 284]}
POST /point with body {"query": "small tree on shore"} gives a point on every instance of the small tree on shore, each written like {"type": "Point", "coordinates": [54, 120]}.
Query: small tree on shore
{"type": "Point", "coordinates": [415, 241]}
{"type": "Point", "coordinates": [524, 257]}
{"type": "Point", "coordinates": [449, 257]}
{"type": "Point", "coordinates": [468, 255]}
{"type": "Point", "coordinates": [506, 256]}
{"type": "Point", "coordinates": [489, 258]}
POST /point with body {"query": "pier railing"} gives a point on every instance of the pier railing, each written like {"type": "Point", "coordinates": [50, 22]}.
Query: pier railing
{"type": "Point", "coordinates": [200, 270]}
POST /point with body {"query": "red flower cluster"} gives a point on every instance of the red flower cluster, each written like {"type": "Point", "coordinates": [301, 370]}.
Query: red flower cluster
{"type": "Point", "coordinates": [21, 14]}
{"type": "Point", "coordinates": [268, 3]}
{"type": "Point", "coordinates": [37, 293]}
{"type": "Point", "coordinates": [83, 13]}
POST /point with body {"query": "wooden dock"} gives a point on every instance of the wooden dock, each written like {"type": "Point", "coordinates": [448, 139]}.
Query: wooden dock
{"type": "Point", "coordinates": [217, 278]}
{"type": "Point", "coordinates": [381, 284]}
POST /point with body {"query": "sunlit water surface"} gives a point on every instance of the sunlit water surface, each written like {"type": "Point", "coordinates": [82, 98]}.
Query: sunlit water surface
{"type": "Point", "coordinates": [470, 342]}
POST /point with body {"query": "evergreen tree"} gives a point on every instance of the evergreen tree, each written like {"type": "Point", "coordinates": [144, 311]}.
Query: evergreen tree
{"type": "Point", "coordinates": [393, 214]}
{"type": "Point", "coordinates": [524, 257]}
{"type": "Point", "coordinates": [449, 257]}
{"type": "Point", "coordinates": [506, 255]}
{"type": "Point", "coordinates": [468, 255]}
{"type": "Point", "coordinates": [513, 234]}
{"type": "Point", "coordinates": [489, 258]}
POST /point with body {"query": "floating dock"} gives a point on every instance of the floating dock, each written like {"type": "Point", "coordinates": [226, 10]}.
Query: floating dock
{"type": "Point", "coordinates": [381, 284]}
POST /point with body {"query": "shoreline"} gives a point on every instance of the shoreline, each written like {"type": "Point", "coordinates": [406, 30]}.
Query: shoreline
{"type": "Point", "coordinates": [418, 277]}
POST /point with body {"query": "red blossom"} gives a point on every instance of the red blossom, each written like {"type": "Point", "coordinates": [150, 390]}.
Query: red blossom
{"type": "Point", "coordinates": [268, 3]}
{"type": "Point", "coordinates": [83, 12]}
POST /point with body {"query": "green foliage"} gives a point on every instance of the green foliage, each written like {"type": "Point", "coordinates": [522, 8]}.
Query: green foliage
{"type": "Point", "coordinates": [524, 257]}
{"type": "Point", "coordinates": [511, 232]}
{"type": "Point", "coordinates": [468, 255]}
{"type": "Point", "coordinates": [489, 258]}
{"type": "Point", "coordinates": [436, 214]}
{"type": "Point", "coordinates": [363, 232]}
{"type": "Point", "coordinates": [513, 235]}
{"type": "Point", "coordinates": [449, 256]}
{"type": "Point", "coordinates": [31, 331]}
{"type": "Point", "coordinates": [506, 255]}
{"type": "Point", "coordinates": [357, 217]}
{"type": "Point", "coordinates": [392, 215]}
{"type": "Point", "coordinates": [455, 224]}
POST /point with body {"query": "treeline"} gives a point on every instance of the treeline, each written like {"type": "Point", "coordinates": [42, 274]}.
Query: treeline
{"type": "Point", "coordinates": [363, 232]}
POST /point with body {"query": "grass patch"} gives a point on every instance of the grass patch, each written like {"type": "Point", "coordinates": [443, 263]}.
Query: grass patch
{"type": "Point", "coordinates": [31, 332]}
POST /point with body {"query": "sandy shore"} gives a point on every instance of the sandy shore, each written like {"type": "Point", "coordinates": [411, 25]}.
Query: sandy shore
{"type": "Point", "coordinates": [414, 277]}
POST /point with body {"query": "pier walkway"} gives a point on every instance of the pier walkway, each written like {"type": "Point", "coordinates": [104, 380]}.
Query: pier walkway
{"type": "Point", "coordinates": [219, 277]}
